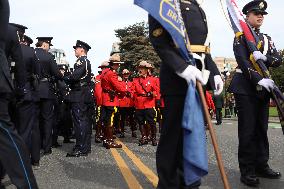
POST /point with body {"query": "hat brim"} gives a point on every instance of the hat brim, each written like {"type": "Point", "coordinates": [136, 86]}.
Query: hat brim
{"type": "Point", "coordinates": [142, 67]}
{"type": "Point", "coordinates": [115, 62]}
{"type": "Point", "coordinates": [102, 66]}
{"type": "Point", "coordinates": [259, 11]}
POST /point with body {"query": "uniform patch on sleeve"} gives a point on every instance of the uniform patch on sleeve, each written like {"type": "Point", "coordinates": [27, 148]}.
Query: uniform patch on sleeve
{"type": "Point", "coordinates": [158, 32]}
{"type": "Point", "coordinates": [79, 62]}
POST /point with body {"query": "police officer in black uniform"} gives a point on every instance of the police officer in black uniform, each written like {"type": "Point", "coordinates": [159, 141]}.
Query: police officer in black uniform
{"type": "Point", "coordinates": [49, 73]}
{"type": "Point", "coordinates": [27, 40]}
{"type": "Point", "coordinates": [13, 152]}
{"type": "Point", "coordinates": [27, 122]}
{"type": "Point", "coordinates": [17, 68]}
{"type": "Point", "coordinates": [81, 99]}
{"type": "Point", "coordinates": [252, 97]}
{"type": "Point", "coordinates": [14, 54]}
{"type": "Point", "coordinates": [174, 75]}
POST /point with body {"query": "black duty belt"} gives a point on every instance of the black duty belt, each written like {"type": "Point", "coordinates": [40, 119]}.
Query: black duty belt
{"type": "Point", "coordinates": [143, 95]}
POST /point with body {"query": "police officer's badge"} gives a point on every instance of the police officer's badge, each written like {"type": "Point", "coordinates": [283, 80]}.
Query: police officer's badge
{"type": "Point", "coordinates": [157, 32]}
{"type": "Point", "coordinates": [261, 5]}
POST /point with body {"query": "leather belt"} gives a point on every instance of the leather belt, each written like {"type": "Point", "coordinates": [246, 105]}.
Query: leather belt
{"type": "Point", "coordinates": [143, 95]}
{"type": "Point", "coordinates": [200, 49]}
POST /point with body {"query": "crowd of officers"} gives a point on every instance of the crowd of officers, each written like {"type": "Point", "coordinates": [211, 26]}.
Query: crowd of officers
{"type": "Point", "coordinates": [51, 100]}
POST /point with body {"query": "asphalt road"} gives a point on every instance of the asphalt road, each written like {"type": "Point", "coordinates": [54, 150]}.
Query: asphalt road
{"type": "Point", "coordinates": [134, 166]}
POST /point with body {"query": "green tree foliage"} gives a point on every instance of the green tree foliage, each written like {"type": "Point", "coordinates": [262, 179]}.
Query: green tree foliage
{"type": "Point", "coordinates": [278, 74]}
{"type": "Point", "coordinates": [135, 46]}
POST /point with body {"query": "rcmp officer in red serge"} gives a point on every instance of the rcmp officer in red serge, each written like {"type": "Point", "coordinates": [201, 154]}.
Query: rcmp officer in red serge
{"type": "Point", "coordinates": [175, 73]}
{"type": "Point", "coordinates": [126, 108]}
{"type": "Point", "coordinates": [252, 97]}
{"type": "Point", "coordinates": [49, 72]}
{"type": "Point", "coordinates": [98, 96]}
{"type": "Point", "coordinates": [80, 98]}
{"type": "Point", "coordinates": [112, 87]}
{"type": "Point", "coordinates": [145, 92]}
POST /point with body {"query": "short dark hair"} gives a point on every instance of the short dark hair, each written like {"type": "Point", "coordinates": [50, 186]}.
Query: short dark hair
{"type": "Point", "coordinates": [39, 44]}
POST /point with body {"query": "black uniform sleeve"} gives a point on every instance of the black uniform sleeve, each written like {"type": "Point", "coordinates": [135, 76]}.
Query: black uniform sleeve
{"type": "Point", "coordinates": [164, 46]}
{"type": "Point", "coordinates": [36, 66]}
{"type": "Point", "coordinates": [17, 56]}
{"type": "Point", "coordinates": [54, 69]}
{"type": "Point", "coordinates": [273, 57]}
{"type": "Point", "coordinates": [211, 66]}
{"type": "Point", "coordinates": [242, 57]}
{"type": "Point", "coordinates": [80, 71]}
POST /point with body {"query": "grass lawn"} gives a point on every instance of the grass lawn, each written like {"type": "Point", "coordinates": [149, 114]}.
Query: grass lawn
{"type": "Point", "coordinates": [273, 112]}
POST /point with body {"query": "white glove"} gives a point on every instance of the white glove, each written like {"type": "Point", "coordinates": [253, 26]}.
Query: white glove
{"type": "Point", "coordinates": [266, 83]}
{"type": "Point", "coordinates": [191, 74]}
{"type": "Point", "coordinates": [219, 84]}
{"type": "Point", "coordinates": [257, 55]}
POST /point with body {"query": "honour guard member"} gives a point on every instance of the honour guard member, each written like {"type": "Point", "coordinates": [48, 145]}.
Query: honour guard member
{"type": "Point", "coordinates": [145, 92]}
{"type": "Point", "coordinates": [13, 152]}
{"type": "Point", "coordinates": [112, 88]}
{"type": "Point", "coordinates": [80, 98]}
{"type": "Point", "coordinates": [27, 109]}
{"type": "Point", "coordinates": [219, 104]}
{"type": "Point", "coordinates": [252, 97]}
{"type": "Point", "coordinates": [126, 109]}
{"type": "Point", "coordinates": [49, 73]}
{"type": "Point", "coordinates": [98, 96]}
{"type": "Point", "coordinates": [175, 73]}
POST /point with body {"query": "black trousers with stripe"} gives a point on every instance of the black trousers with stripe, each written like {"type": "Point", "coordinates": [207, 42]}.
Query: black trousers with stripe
{"type": "Point", "coordinates": [13, 152]}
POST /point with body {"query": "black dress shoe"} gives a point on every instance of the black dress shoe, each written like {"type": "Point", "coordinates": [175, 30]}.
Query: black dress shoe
{"type": "Point", "coordinates": [250, 180]}
{"type": "Point", "coordinates": [194, 185]}
{"type": "Point", "coordinates": [76, 154]}
{"type": "Point", "coordinates": [35, 163]}
{"type": "Point", "coordinates": [73, 154]}
{"type": "Point", "coordinates": [47, 152]}
{"type": "Point", "coordinates": [268, 173]}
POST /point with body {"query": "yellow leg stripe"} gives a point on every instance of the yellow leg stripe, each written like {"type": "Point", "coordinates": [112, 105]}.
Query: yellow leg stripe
{"type": "Point", "coordinates": [112, 116]}
{"type": "Point", "coordinates": [126, 172]}
{"type": "Point", "coordinates": [156, 114]}
{"type": "Point", "coordinates": [151, 176]}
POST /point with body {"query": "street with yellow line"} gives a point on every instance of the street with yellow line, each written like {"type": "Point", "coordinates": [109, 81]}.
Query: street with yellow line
{"type": "Point", "coordinates": [134, 167]}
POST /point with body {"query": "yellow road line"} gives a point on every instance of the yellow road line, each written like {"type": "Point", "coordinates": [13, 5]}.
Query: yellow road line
{"type": "Point", "coordinates": [151, 176]}
{"type": "Point", "coordinates": [126, 172]}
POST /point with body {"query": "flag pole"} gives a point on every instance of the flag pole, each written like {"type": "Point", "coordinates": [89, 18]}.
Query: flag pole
{"type": "Point", "coordinates": [213, 136]}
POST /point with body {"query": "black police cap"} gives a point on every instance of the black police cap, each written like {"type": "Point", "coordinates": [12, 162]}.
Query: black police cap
{"type": "Point", "coordinates": [82, 44]}
{"type": "Point", "coordinates": [45, 39]}
{"type": "Point", "coordinates": [28, 40]}
{"type": "Point", "coordinates": [19, 27]}
{"type": "Point", "coordinates": [258, 6]}
{"type": "Point", "coordinates": [62, 67]}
